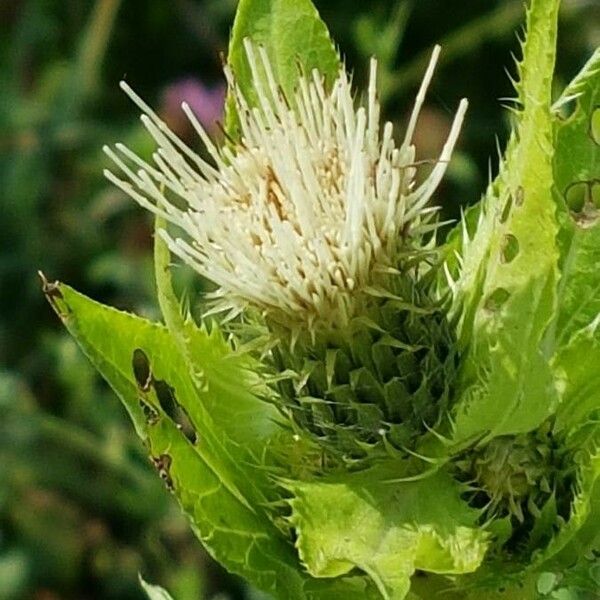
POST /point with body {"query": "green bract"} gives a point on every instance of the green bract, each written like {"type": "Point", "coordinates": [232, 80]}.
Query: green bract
{"type": "Point", "coordinates": [445, 441]}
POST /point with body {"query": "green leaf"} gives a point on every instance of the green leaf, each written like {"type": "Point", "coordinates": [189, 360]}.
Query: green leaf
{"type": "Point", "coordinates": [204, 476]}
{"type": "Point", "coordinates": [577, 187]}
{"type": "Point", "coordinates": [576, 366]}
{"type": "Point", "coordinates": [295, 39]}
{"type": "Point", "coordinates": [512, 387]}
{"type": "Point", "coordinates": [385, 529]}
{"type": "Point", "coordinates": [208, 474]}
{"type": "Point", "coordinates": [576, 169]}
{"type": "Point", "coordinates": [506, 292]}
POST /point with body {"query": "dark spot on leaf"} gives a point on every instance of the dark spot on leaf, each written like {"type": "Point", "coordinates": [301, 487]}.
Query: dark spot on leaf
{"type": "Point", "coordinates": [168, 402]}
{"type": "Point", "coordinates": [595, 125]}
{"type": "Point", "coordinates": [510, 248]}
{"type": "Point", "coordinates": [141, 369]}
{"type": "Point", "coordinates": [163, 465]}
{"type": "Point", "coordinates": [496, 299]}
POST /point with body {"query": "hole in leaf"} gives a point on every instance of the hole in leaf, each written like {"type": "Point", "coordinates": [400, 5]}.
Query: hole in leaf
{"type": "Point", "coordinates": [166, 398]}
{"type": "Point", "coordinates": [168, 402]}
{"type": "Point", "coordinates": [496, 299]}
{"type": "Point", "coordinates": [595, 125]}
{"type": "Point", "coordinates": [163, 466]}
{"type": "Point", "coordinates": [510, 249]}
{"type": "Point", "coordinates": [141, 369]}
{"type": "Point", "coordinates": [583, 200]}
{"type": "Point", "coordinates": [568, 109]}
{"type": "Point", "coordinates": [150, 414]}
{"type": "Point", "coordinates": [576, 196]}
{"type": "Point", "coordinates": [519, 196]}
{"type": "Point", "coordinates": [506, 210]}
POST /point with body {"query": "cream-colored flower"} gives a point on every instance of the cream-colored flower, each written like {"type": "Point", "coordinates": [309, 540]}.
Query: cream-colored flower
{"type": "Point", "coordinates": [298, 217]}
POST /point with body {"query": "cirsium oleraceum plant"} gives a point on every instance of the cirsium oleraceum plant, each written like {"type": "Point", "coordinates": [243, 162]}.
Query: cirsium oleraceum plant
{"type": "Point", "coordinates": [368, 410]}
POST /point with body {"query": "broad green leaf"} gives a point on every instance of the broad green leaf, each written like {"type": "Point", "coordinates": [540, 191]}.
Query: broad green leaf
{"type": "Point", "coordinates": [506, 292]}
{"type": "Point", "coordinates": [295, 39]}
{"type": "Point", "coordinates": [211, 486]}
{"type": "Point", "coordinates": [195, 459]}
{"type": "Point", "coordinates": [385, 529]}
{"type": "Point", "coordinates": [576, 170]}
{"type": "Point", "coordinates": [577, 186]}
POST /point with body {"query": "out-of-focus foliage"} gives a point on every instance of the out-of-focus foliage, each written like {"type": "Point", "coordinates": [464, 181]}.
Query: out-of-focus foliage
{"type": "Point", "coordinates": [81, 512]}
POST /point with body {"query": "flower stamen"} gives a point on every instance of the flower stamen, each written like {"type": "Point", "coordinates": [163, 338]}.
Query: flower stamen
{"type": "Point", "coordinates": [300, 217]}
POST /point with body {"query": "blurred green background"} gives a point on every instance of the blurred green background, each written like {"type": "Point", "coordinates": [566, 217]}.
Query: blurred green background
{"type": "Point", "coordinates": [81, 510]}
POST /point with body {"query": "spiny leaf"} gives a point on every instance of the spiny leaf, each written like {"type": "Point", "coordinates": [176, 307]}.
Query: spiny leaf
{"type": "Point", "coordinates": [576, 170]}
{"type": "Point", "coordinates": [214, 486]}
{"type": "Point", "coordinates": [506, 293]}
{"type": "Point", "coordinates": [109, 338]}
{"type": "Point", "coordinates": [388, 530]}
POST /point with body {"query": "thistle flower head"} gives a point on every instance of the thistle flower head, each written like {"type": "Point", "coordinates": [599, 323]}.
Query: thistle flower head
{"type": "Point", "coordinates": [303, 213]}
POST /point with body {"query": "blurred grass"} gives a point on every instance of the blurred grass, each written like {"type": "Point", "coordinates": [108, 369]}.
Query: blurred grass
{"type": "Point", "coordinates": [81, 511]}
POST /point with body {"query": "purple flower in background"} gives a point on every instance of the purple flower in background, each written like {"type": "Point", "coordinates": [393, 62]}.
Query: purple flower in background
{"type": "Point", "coordinates": [206, 102]}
